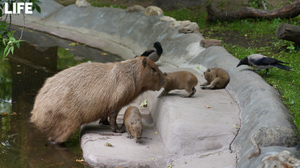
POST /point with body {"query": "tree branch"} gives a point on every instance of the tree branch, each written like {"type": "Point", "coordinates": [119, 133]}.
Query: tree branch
{"type": "Point", "coordinates": [288, 11]}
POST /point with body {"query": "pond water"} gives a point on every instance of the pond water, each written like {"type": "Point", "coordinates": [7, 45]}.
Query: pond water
{"type": "Point", "coordinates": [21, 76]}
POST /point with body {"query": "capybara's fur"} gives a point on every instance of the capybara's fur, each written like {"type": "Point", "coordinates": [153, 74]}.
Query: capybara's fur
{"type": "Point", "coordinates": [90, 91]}
{"type": "Point", "coordinates": [180, 80]}
{"type": "Point", "coordinates": [216, 78]}
{"type": "Point", "coordinates": [132, 122]}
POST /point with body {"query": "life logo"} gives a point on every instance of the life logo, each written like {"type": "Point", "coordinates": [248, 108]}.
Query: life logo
{"type": "Point", "coordinates": [18, 7]}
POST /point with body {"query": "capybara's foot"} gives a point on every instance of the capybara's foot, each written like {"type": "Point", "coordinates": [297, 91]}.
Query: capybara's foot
{"type": "Point", "coordinates": [185, 96]}
{"type": "Point", "coordinates": [59, 146]}
{"type": "Point", "coordinates": [116, 130]}
{"type": "Point", "coordinates": [123, 128]}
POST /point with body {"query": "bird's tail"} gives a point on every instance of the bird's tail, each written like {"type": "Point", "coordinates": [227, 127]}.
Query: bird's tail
{"type": "Point", "coordinates": [283, 67]}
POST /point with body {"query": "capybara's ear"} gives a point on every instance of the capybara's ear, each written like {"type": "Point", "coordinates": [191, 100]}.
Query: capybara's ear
{"type": "Point", "coordinates": [144, 62]}
{"type": "Point", "coordinates": [208, 70]}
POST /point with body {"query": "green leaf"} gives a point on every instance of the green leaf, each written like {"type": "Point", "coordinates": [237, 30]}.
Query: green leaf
{"type": "Point", "coordinates": [38, 8]}
{"type": "Point", "coordinates": [18, 44]}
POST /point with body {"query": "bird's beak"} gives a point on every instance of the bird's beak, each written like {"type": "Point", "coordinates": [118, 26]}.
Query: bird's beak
{"type": "Point", "coordinates": [238, 64]}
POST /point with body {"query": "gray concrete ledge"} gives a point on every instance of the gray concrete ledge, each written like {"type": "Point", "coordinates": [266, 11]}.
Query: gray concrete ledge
{"type": "Point", "coordinates": [128, 34]}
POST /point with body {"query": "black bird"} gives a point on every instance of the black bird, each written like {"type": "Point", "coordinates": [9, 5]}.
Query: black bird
{"type": "Point", "coordinates": [263, 62]}
{"type": "Point", "coordinates": [153, 53]}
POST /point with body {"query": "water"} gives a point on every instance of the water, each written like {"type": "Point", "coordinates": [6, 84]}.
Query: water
{"type": "Point", "coordinates": [21, 76]}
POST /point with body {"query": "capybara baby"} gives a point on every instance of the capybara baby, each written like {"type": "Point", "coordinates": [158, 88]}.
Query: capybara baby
{"type": "Point", "coordinates": [90, 91]}
{"type": "Point", "coordinates": [132, 122]}
{"type": "Point", "coordinates": [216, 78]}
{"type": "Point", "coordinates": [180, 80]}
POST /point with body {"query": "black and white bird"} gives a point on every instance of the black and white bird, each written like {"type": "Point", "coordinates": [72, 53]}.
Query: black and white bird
{"type": "Point", "coordinates": [263, 62]}
{"type": "Point", "coordinates": [153, 53]}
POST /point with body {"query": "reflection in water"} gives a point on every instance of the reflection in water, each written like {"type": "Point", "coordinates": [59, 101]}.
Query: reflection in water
{"type": "Point", "coordinates": [21, 76]}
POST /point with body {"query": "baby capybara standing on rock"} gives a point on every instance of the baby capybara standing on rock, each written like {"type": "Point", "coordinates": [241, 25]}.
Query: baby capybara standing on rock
{"type": "Point", "coordinates": [180, 80]}
{"type": "Point", "coordinates": [90, 91]}
{"type": "Point", "coordinates": [132, 122]}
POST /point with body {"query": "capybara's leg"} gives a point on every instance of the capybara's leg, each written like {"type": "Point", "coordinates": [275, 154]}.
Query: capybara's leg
{"type": "Point", "coordinates": [191, 92]}
{"type": "Point", "coordinates": [163, 93]}
{"type": "Point", "coordinates": [113, 121]}
{"type": "Point", "coordinates": [211, 86]}
{"type": "Point", "coordinates": [204, 84]}
{"type": "Point", "coordinates": [129, 135]}
{"type": "Point", "coordinates": [64, 130]}
{"type": "Point", "coordinates": [123, 128]}
{"type": "Point", "coordinates": [104, 121]}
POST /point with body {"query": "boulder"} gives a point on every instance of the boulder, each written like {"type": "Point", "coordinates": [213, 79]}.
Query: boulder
{"type": "Point", "coordinates": [153, 10]}
{"type": "Point", "coordinates": [282, 159]}
{"type": "Point", "coordinates": [82, 3]}
{"type": "Point", "coordinates": [134, 8]}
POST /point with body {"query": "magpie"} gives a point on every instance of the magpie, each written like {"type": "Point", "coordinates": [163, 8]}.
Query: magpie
{"type": "Point", "coordinates": [154, 52]}
{"type": "Point", "coordinates": [263, 62]}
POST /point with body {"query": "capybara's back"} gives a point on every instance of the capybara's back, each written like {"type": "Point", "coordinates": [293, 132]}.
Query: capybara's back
{"type": "Point", "coordinates": [133, 123]}
{"type": "Point", "coordinates": [90, 91]}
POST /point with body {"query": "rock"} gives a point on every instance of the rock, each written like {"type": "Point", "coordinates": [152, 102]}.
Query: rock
{"type": "Point", "coordinates": [167, 19]}
{"type": "Point", "coordinates": [180, 23]}
{"type": "Point", "coordinates": [272, 136]}
{"type": "Point", "coordinates": [210, 42]}
{"type": "Point", "coordinates": [191, 28]}
{"type": "Point", "coordinates": [280, 160]}
{"type": "Point", "coordinates": [185, 26]}
{"type": "Point", "coordinates": [153, 10]}
{"type": "Point", "coordinates": [82, 3]}
{"type": "Point", "coordinates": [134, 8]}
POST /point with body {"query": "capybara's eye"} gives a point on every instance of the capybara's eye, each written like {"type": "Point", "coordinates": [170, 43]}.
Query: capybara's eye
{"type": "Point", "coordinates": [133, 130]}
{"type": "Point", "coordinates": [153, 69]}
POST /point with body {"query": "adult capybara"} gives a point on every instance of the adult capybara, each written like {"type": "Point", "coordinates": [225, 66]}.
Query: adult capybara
{"type": "Point", "coordinates": [90, 91]}
{"type": "Point", "coordinates": [132, 122]}
{"type": "Point", "coordinates": [216, 78]}
{"type": "Point", "coordinates": [180, 80]}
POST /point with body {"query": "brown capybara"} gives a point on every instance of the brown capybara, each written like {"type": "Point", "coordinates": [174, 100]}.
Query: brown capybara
{"type": "Point", "coordinates": [180, 80]}
{"type": "Point", "coordinates": [132, 122]}
{"type": "Point", "coordinates": [90, 91]}
{"type": "Point", "coordinates": [216, 78]}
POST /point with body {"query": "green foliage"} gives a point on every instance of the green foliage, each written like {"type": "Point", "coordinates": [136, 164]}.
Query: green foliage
{"type": "Point", "coordinates": [66, 59]}
{"type": "Point", "coordinates": [7, 40]}
{"type": "Point", "coordinates": [8, 44]}
{"type": "Point", "coordinates": [103, 4]}
{"type": "Point", "coordinates": [257, 3]}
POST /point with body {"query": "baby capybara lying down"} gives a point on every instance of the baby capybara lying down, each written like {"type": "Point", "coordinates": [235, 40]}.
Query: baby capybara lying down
{"type": "Point", "coordinates": [180, 80]}
{"type": "Point", "coordinates": [90, 91]}
{"type": "Point", "coordinates": [216, 78]}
